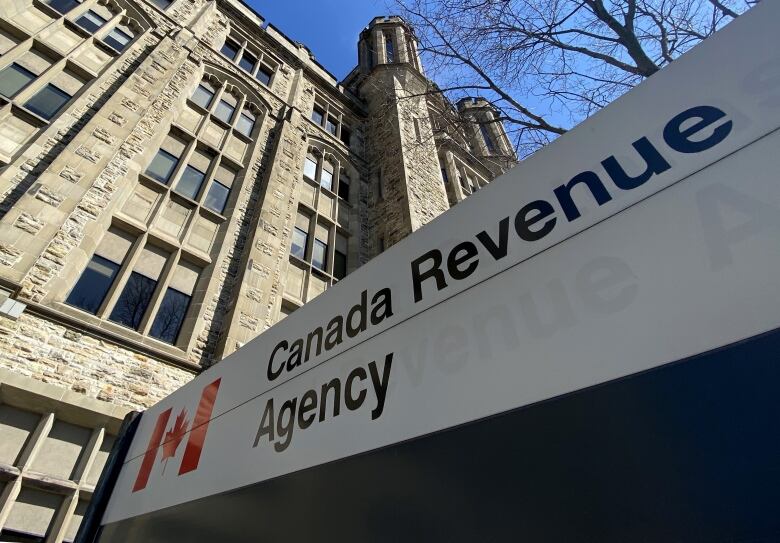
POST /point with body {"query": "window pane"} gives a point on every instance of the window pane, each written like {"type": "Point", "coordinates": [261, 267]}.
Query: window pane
{"type": "Point", "coordinates": [317, 115]}
{"type": "Point", "coordinates": [332, 125]}
{"type": "Point", "coordinates": [132, 303]}
{"type": "Point", "coordinates": [488, 139]}
{"type": "Point", "coordinates": [319, 254]}
{"type": "Point", "coordinates": [230, 49]}
{"type": "Point", "coordinates": [162, 166]}
{"type": "Point", "coordinates": [217, 197]}
{"type": "Point", "coordinates": [90, 21]}
{"type": "Point", "coordinates": [344, 186]}
{"type": "Point", "coordinates": [346, 135]}
{"type": "Point", "coordinates": [299, 243]}
{"type": "Point", "coordinates": [170, 316]}
{"type": "Point", "coordinates": [389, 49]}
{"type": "Point", "coordinates": [327, 179]}
{"type": "Point", "coordinates": [246, 123]}
{"type": "Point", "coordinates": [63, 6]}
{"type": "Point", "coordinates": [13, 79]}
{"type": "Point", "coordinates": [202, 96]}
{"type": "Point", "coordinates": [92, 286]}
{"type": "Point", "coordinates": [224, 111]}
{"type": "Point", "coordinates": [162, 4]}
{"type": "Point", "coordinates": [48, 101]}
{"type": "Point", "coordinates": [310, 169]}
{"type": "Point", "coordinates": [118, 39]}
{"type": "Point", "coordinates": [339, 265]}
{"type": "Point", "coordinates": [190, 182]}
{"type": "Point", "coordinates": [247, 61]}
{"type": "Point", "coordinates": [264, 75]}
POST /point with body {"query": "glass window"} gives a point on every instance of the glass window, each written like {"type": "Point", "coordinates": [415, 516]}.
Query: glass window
{"type": "Point", "coordinates": [319, 254]}
{"type": "Point", "coordinates": [48, 101]}
{"type": "Point", "coordinates": [162, 4]}
{"type": "Point", "coordinates": [344, 185]}
{"type": "Point", "coordinates": [230, 49]}
{"type": "Point", "coordinates": [190, 182]}
{"type": "Point", "coordinates": [444, 176]}
{"type": "Point", "coordinates": [131, 306]}
{"type": "Point", "coordinates": [389, 49]}
{"type": "Point", "coordinates": [90, 21]}
{"type": "Point", "coordinates": [203, 95]}
{"type": "Point", "coordinates": [247, 61]}
{"type": "Point", "coordinates": [224, 111]}
{"type": "Point", "coordinates": [63, 6]}
{"type": "Point", "coordinates": [217, 197]}
{"type": "Point", "coordinates": [246, 123]}
{"type": "Point", "coordinates": [488, 139]}
{"type": "Point", "coordinates": [299, 240]}
{"type": "Point", "coordinates": [170, 316]}
{"type": "Point", "coordinates": [332, 125]}
{"type": "Point", "coordinates": [340, 257]}
{"type": "Point", "coordinates": [346, 135]}
{"type": "Point", "coordinates": [13, 79]}
{"type": "Point", "coordinates": [317, 115]}
{"type": "Point", "coordinates": [310, 168]}
{"type": "Point", "coordinates": [118, 39]}
{"type": "Point", "coordinates": [264, 74]}
{"type": "Point", "coordinates": [93, 285]}
{"type": "Point", "coordinates": [327, 176]}
{"type": "Point", "coordinates": [162, 166]}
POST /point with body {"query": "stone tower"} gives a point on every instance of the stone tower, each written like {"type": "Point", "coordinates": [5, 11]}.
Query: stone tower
{"type": "Point", "coordinates": [487, 137]}
{"type": "Point", "coordinates": [405, 171]}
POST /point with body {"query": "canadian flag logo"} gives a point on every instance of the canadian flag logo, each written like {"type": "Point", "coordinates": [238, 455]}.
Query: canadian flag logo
{"type": "Point", "coordinates": [168, 442]}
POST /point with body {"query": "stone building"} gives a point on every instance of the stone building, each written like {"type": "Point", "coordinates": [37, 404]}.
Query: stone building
{"type": "Point", "coordinates": [175, 177]}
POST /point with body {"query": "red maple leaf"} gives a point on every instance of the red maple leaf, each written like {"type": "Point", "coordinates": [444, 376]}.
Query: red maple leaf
{"type": "Point", "coordinates": [174, 436]}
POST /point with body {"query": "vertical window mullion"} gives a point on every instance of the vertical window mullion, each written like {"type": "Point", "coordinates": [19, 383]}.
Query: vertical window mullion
{"type": "Point", "coordinates": [159, 292]}
{"type": "Point", "coordinates": [121, 277]}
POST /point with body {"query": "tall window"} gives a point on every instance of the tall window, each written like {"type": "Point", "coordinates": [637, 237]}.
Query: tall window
{"type": "Point", "coordinates": [219, 191]}
{"type": "Point", "coordinates": [389, 48]}
{"type": "Point", "coordinates": [310, 167]}
{"type": "Point", "coordinates": [300, 237]}
{"type": "Point", "coordinates": [344, 185]}
{"type": "Point", "coordinates": [317, 115]}
{"type": "Point", "coordinates": [248, 61]}
{"type": "Point", "coordinates": [326, 177]}
{"type": "Point", "coordinates": [331, 119]}
{"type": "Point", "coordinates": [175, 303]}
{"type": "Point", "coordinates": [488, 138]}
{"type": "Point", "coordinates": [246, 123]}
{"type": "Point", "coordinates": [340, 257]}
{"type": "Point", "coordinates": [162, 4]}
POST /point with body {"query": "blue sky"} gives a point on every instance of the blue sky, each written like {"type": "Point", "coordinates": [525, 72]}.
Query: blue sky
{"type": "Point", "coordinates": [330, 28]}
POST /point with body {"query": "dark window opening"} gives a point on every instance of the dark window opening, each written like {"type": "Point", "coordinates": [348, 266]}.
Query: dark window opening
{"type": "Point", "coordinates": [190, 182]}
{"type": "Point", "coordinates": [91, 21]}
{"type": "Point", "coordinates": [170, 317]}
{"type": "Point", "coordinates": [247, 61]}
{"type": "Point", "coordinates": [217, 197]}
{"type": "Point", "coordinates": [91, 288]}
{"type": "Point", "coordinates": [118, 40]}
{"type": "Point", "coordinates": [230, 49]}
{"type": "Point", "coordinates": [319, 255]}
{"type": "Point", "coordinates": [162, 166]}
{"type": "Point", "coordinates": [48, 101]}
{"type": "Point", "coordinates": [13, 79]}
{"type": "Point", "coordinates": [132, 304]}
{"type": "Point", "coordinates": [264, 75]}
{"type": "Point", "coordinates": [203, 96]}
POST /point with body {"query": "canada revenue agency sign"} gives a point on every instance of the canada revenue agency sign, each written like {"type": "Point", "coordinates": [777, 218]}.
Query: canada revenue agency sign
{"type": "Point", "coordinates": [647, 235]}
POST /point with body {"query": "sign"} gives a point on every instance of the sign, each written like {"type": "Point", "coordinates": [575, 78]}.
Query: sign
{"type": "Point", "coordinates": [648, 235]}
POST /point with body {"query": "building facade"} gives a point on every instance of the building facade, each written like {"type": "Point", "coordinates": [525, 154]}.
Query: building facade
{"type": "Point", "coordinates": [175, 177]}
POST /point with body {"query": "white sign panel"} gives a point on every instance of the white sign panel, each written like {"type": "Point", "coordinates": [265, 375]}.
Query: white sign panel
{"type": "Point", "coordinates": [646, 235]}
